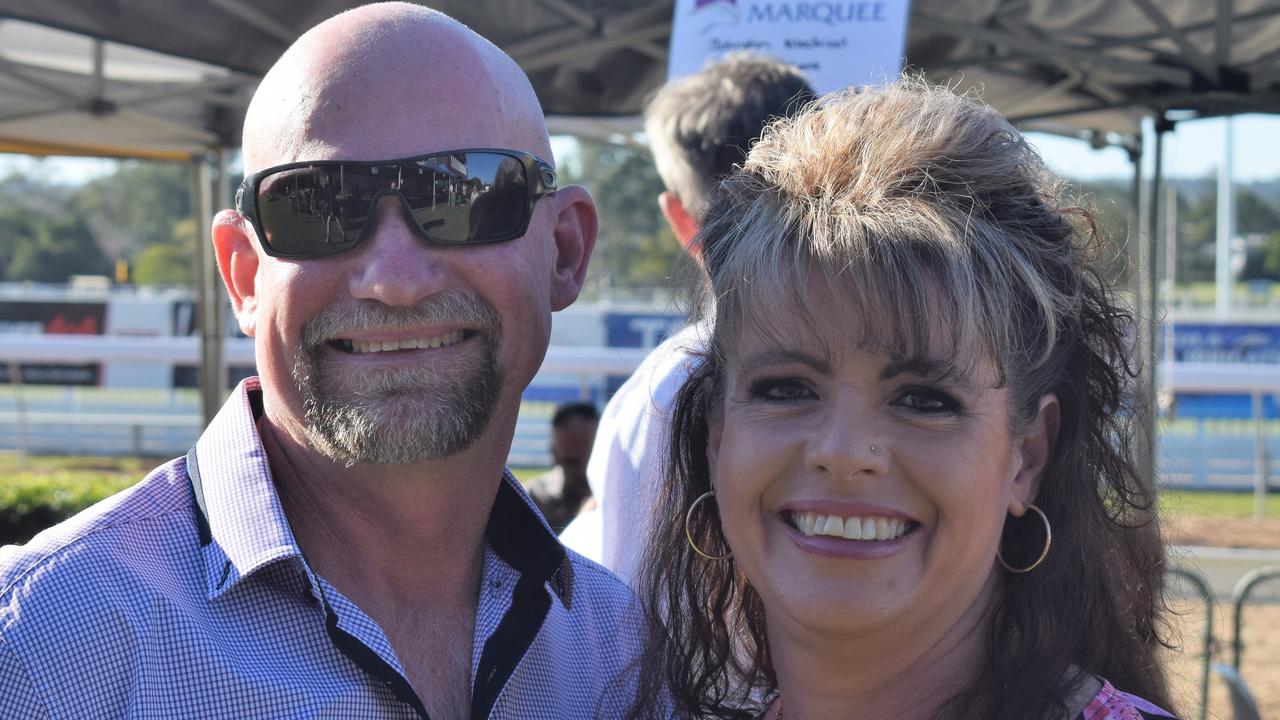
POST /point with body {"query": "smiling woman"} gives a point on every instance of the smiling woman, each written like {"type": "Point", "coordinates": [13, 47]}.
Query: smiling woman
{"type": "Point", "coordinates": [900, 481]}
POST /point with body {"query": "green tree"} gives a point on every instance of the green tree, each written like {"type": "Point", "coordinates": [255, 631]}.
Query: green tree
{"type": "Point", "coordinates": [163, 265]}
{"type": "Point", "coordinates": [636, 249]}
{"type": "Point", "coordinates": [48, 248]}
{"type": "Point", "coordinates": [28, 191]}
{"type": "Point", "coordinates": [1271, 258]}
{"type": "Point", "coordinates": [1109, 204]}
{"type": "Point", "coordinates": [1254, 215]}
{"type": "Point", "coordinates": [142, 199]}
{"type": "Point", "coordinates": [1198, 232]}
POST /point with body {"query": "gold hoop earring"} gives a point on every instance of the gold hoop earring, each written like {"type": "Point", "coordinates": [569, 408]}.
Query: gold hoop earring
{"type": "Point", "coordinates": [688, 529]}
{"type": "Point", "coordinates": [1048, 540]}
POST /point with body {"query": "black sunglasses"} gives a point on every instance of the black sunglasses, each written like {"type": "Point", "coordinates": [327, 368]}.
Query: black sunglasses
{"type": "Point", "coordinates": [456, 197]}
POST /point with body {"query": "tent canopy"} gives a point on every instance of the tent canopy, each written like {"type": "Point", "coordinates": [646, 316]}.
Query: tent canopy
{"type": "Point", "coordinates": [154, 78]}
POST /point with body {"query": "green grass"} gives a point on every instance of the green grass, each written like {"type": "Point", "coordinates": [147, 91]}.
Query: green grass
{"type": "Point", "coordinates": [525, 474]}
{"type": "Point", "coordinates": [1204, 294]}
{"type": "Point", "coordinates": [117, 472]}
{"type": "Point", "coordinates": [1209, 503]}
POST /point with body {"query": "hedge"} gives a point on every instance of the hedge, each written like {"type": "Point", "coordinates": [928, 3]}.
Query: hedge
{"type": "Point", "coordinates": [29, 504]}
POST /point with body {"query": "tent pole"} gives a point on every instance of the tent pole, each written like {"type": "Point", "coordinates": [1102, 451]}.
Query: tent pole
{"type": "Point", "coordinates": [1147, 320]}
{"type": "Point", "coordinates": [211, 373]}
{"type": "Point", "coordinates": [222, 194]}
{"type": "Point", "coordinates": [1223, 277]}
{"type": "Point", "coordinates": [217, 294]}
{"type": "Point", "coordinates": [1137, 232]}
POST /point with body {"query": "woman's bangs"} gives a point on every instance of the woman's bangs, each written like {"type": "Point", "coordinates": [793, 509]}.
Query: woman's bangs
{"type": "Point", "coordinates": [894, 296]}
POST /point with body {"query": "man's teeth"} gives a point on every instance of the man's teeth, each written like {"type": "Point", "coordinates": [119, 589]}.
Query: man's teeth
{"type": "Point", "coordinates": [360, 346]}
{"type": "Point", "coordinates": [851, 528]}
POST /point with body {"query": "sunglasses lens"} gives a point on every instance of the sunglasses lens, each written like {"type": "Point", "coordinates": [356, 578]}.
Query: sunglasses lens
{"type": "Point", "coordinates": [303, 213]}
{"type": "Point", "coordinates": [467, 198]}
{"type": "Point", "coordinates": [456, 199]}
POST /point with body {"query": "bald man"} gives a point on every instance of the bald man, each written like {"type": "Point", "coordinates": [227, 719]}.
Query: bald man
{"type": "Point", "coordinates": [343, 540]}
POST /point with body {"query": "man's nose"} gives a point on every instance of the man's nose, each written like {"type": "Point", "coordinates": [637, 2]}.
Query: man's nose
{"type": "Point", "coordinates": [395, 265]}
{"type": "Point", "coordinates": [848, 443]}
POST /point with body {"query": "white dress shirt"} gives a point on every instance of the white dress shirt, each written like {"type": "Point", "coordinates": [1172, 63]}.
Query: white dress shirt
{"type": "Point", "coordinates": [629, 458]}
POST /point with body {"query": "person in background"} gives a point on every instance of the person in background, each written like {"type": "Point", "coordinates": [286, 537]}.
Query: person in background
{"type": "Point", "coordinates": [561, 492]}
{"type": "Point", "coordinates": [901, 481]}
{"type": "Point", "coordinates": [699, 127]}
{"type": "Point", "coordinates": [344, 541]}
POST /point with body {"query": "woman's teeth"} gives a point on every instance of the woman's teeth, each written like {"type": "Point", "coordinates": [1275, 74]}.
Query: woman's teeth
{"type": "Point", "coordinates": [850, 528]}
{"type": "Point", "coordinates": [359, 346]}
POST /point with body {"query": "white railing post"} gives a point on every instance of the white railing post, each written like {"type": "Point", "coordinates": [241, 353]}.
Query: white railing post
{"type": "Point", "coordinates": [1259, 460]}
{"type": "Point", "coordinates": [15, 379]}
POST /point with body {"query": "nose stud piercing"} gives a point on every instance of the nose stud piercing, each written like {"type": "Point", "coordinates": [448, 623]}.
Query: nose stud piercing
{"type": "Point", "coordinates": [873, 450]}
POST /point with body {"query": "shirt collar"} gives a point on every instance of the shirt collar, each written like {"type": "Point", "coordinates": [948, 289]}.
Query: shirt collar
{"type": "Point", "coordinates": [247, 527]}
{"type": "Point", "coordinates": [246, 522]}
{"type": "Point", "coordinates": [522, 539]}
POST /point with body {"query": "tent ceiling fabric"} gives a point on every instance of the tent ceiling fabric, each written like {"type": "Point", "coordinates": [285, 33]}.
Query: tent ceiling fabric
{"type": "Point", "coordinates": [170, 79]}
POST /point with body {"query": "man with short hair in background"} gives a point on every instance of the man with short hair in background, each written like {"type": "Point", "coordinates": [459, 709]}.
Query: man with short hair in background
{"type": "Point", "coordinates": [343, 541]}
{"type": "Point", "coordinates": [699, 127]}
{"type": "Point", "coordinates": [561, 492]}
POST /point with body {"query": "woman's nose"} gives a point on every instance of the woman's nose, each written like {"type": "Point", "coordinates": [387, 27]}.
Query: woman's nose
{"type": "Point", "coordinates": [848, 442]}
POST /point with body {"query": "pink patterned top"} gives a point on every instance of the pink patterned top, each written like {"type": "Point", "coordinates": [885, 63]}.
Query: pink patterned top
{"type": "Point", "coordinates": [1111, 704]}
{"type": "Point", "coordinates": [1108, 704]}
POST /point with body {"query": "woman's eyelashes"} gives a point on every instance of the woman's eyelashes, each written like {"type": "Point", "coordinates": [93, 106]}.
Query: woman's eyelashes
{"type": "Point", "coordinates": [918, 399]}
{"type": "Point", "coordinates": [928, 401]}
{"type": "Point", "coordinates": [780, 390]}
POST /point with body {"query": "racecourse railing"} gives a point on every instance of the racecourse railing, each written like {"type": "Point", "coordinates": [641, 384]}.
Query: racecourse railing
{"type": "Point", "coordinates": [75, 419]}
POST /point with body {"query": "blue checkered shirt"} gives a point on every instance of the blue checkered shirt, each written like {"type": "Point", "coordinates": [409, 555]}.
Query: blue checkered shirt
{"type": "Point", "coordinates": [187, 596]}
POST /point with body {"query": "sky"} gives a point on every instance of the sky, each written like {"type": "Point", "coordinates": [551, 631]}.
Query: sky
{"type": "Point", "coordinates": [1193, 149]}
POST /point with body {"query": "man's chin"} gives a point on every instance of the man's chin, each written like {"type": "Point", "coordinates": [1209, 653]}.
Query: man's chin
{"type": "Point", "coordinates": [396, 417]}
{"type": "Point", "coordinates": [395, 430]}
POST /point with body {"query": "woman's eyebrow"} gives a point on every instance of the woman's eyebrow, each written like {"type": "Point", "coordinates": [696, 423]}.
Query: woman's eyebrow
{"type": "Point", "coordinates": [781, 356]}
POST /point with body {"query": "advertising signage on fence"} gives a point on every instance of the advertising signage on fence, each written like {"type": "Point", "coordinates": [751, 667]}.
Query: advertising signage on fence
{"type": "Point", "coordinates": [1226, 343]}
{"type": "Point", "coordinates": [26, 317]}
{"type": "Point", "coordinates": [637, 330]}
{"type": "Point", "coordinates": [836, 43]}
{"type": "Point", "coordinates": [188, 376]}
{"type": "Point", "coordinates": [186, 323]}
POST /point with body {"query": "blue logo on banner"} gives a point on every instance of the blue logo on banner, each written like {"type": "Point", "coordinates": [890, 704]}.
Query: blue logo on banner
{"type": "Point", "coordinates": [640, 330]}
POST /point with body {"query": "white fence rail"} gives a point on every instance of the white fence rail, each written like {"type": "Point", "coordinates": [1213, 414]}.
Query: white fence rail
{"type": "Point", "coordinates": [239, 351]}
{"type": "Point", "coordinates": [166, 420]}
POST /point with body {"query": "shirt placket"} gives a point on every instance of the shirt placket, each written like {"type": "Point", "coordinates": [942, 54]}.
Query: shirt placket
{"type": "Point", "coordinates": [361, 640]}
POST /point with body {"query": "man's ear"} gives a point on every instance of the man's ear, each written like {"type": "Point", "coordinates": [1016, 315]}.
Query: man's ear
{"type": "Point", "coordinates": [575, 236]}
{"type": "Point", "coordinates": [238, 264]}
{"type": "Point", "coordinates": [1033, 450]}
{"type": "Point", "coordinates": [681, 222]}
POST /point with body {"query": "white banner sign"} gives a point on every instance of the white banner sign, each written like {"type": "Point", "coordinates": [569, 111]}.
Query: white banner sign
{"type": "Point", "coordinates": [835, 43]}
